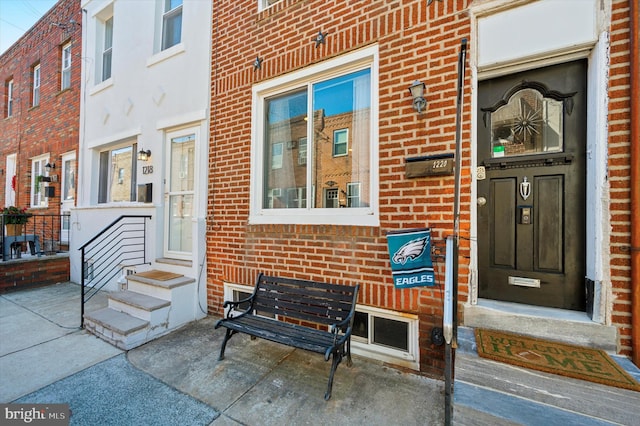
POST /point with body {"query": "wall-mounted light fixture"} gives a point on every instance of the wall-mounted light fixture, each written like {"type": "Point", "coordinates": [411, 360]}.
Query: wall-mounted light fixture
{"type": "Point", "coordinates": [320, 38]}
{"type": "Point", "coordinates": [144, 155]}
{"type": "Point", "coordinates": [417, 92]}
{"type": "Point", "coordinates": [49, 166]}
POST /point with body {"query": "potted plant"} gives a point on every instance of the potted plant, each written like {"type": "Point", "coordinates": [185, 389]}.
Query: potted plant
{"type": "Point", "coordinates": [14, 219]}
{"type": "Point", "coordinates": [41, 178]}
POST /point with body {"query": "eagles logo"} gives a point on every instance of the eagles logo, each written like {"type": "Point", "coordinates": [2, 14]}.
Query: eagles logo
{"type": "Point", "coordinates": [411, 250]}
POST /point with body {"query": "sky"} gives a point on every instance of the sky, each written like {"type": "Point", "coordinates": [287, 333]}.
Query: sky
{"type": "Point", "coordinates": [17, 16]}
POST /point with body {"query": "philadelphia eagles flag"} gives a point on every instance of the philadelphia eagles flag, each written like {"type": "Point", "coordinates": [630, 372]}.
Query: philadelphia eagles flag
{"type": "Point", "coordinates": [410, 255]}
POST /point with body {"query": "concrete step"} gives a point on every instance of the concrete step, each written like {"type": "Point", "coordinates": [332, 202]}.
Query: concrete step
{"type": "Point", "coordinates": [118, 328]}
{"type": "Point", "coordinates": [490, 392]}
{"type": "Point", "coordinates": [161, 289]}
{"type": "Point", "coordinates": [139, 305]}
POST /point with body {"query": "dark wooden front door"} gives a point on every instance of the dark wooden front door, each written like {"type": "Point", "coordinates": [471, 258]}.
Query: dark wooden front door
{"type": "Point", "coordinates": [531, 186]}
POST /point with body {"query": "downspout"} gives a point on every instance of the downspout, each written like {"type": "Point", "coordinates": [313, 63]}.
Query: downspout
{"type": "Point", "coordinates": [634, 7]}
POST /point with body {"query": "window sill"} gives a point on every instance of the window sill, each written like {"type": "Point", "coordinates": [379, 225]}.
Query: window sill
{"type": "Point", "coordinates": [166, 54]}
{"type": "Point", "coordinates": [63, 91]}
{"type": "Point", "coordinates": [351, 217]}
{"type": "Point", "coordinates": [101, 86]}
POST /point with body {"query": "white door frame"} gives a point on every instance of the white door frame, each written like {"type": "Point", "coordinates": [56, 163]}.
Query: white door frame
{"type": "Point", "coordinates": [189, 232]}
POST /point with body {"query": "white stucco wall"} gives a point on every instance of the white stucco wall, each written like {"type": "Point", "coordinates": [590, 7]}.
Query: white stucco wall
{"type": "Point", "coordinates": [150, 93]}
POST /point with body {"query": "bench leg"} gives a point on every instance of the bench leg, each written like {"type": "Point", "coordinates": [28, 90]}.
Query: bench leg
{"type": "Point", "coordinates": [349, 363]}
{"type": "Point", "coordinates": [337, 357]}
{"type": "Point", "coordinates": [227, 336]}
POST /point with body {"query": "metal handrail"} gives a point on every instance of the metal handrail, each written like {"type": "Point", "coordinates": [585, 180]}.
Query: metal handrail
{"type": "Point", "coordinates": [123, 242]}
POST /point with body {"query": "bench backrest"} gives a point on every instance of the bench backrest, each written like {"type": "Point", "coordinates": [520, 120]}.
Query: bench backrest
{"type": "Point", "coordinates": [308, 301]}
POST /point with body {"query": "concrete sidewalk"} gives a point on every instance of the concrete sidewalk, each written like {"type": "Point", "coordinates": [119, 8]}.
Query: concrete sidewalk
{"type": "Point", "coordinates": [177, 379]}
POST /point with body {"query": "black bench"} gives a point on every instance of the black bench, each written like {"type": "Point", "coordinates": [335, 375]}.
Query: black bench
{"type": "Point", "coordinates": [331, 306]}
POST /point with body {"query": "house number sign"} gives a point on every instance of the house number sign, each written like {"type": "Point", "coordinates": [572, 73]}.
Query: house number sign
{"type": "Point", "coordinates": [147, 170]}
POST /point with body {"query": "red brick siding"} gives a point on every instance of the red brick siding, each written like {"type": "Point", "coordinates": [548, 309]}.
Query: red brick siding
{"type": "Point", "coordinates": [620, 172]}
{"type": "Point", "coordinates": [53, 126]}
{"type": "Point", "coordinates": [415, 42]}
{"type": "Point", "coordinates": [33, 272]}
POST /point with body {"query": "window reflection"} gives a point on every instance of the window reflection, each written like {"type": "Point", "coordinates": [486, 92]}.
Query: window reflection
{"type": "Point", "coordinates": [338, 150]}
{"type": "Point", "coordinates": [528, 124]}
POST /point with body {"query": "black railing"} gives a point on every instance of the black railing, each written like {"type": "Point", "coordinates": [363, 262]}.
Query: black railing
{"type": "Point", "coordinates": [42, 234]}
{"type": "Point", "coordinates": [120, 244]}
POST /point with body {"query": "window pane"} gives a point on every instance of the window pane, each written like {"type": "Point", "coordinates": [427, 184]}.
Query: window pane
{"type": "Point", "coordinates": [108, 49]}
{"type": "Point", "coordinates": [528, 124]}
{"type": "Point", "coordinates": [182, 163]}
{"type": "Point", "coordinates": [286, 124]}
{"type": "Point", "coordinates": [121, 178]}
{"type": "Point", "coordinates": [342, 108]}
{"type": "Point", "coordinates": [180, 234]}
{"type": "Point", "coordinates": [388, 332]}
{"type": "Point", "coordinates": [172, 24]}
{"type": "Point", "coordinates": [361, 325]}
{"type": "Point", "coordinates": [66, 67]}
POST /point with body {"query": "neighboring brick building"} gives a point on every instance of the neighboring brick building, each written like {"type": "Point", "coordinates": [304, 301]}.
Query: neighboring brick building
{"type": "Point", "coordinates": [40, 77]}
{"type": "Point", "coordinates": [554, 215]}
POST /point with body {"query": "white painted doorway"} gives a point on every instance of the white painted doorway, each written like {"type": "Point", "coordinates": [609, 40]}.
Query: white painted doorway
{"type": "Point", "coordinates": [180, 193]}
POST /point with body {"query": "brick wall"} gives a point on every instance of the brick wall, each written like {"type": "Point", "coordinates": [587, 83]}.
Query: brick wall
{"type": "Point", "coordinates": [619, 168]}
{"type": "Point", "coordinates": [19, 274]}
{"type": "Point", "coordinates": [415, 41]}
{"type": "Point", "coordinates": [53, 125]}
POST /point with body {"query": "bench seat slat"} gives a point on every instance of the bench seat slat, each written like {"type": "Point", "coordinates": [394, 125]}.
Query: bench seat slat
{"type": "Point", "coordinates": [285, 333]}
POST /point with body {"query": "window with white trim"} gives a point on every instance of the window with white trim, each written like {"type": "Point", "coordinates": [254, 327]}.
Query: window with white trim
{"type": "Point", "coordinates": [117, 176]}
{"type": "Point", "coordinates": [38, 177]}
{"type": "Point", "coordinates": [340, 138]}
{"type": "Point", "coordinates": [9, 91]}
{"type": "Point", "coordinates": [386, 335]}
{"type": "Point", "coordinates": [35, 82]}
{"type": "Point", "coordinates": [238, 292]}
{"type": "Point", "coordinates": [65, 72]}
{"type": "Point", "coordinates": [264, 4]}
{"type": "Point", "coordinates": [332, 107]}
{"type": "Point", "coordinates": [353, 194]}
{"type": "Point", "coordinates": [171, 23]}
{"type": "Point", "coordinates": [107, 49]}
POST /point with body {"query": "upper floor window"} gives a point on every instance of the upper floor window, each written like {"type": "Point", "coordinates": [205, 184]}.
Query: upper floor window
{"type": "Point", "coordinates": [35, 78]}
{"type": "Point", "coordinates": [313, 139]}
{"type": "Point", "coordinates": [107, 49]}
{"type": "Point", "coordinates": [171, 23]}
{"type": "Point", "coordinates": [9, 91]}
{"type": "Point", "coordinates": [117, 176]}
{"type": "Point", "coordinates": [65, 72]}
{"type": "Point", "coordinates": [263, 4]}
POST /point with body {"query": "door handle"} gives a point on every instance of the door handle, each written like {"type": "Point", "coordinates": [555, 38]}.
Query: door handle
{"type": "Point", "coordinates": [481, 201]}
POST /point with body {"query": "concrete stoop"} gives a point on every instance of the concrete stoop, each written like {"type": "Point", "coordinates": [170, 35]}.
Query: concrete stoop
{"type": "Point", "coordinates": [146, 310]}
{"type": "Point", "coordinates": [487, 392]}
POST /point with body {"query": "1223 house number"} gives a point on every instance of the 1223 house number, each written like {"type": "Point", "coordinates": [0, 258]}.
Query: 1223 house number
{"type": "Point", "coordinates": [147, 170]}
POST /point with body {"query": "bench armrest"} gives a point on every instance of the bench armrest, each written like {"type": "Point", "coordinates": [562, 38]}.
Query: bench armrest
{"type": "Point", "coordinates": [234, 304]}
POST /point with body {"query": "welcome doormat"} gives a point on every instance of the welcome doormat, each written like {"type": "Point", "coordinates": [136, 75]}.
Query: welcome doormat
{"type": "Point", "coordinates": [558, 358]}
{"type": "Point", "coordinates": [159, 275]}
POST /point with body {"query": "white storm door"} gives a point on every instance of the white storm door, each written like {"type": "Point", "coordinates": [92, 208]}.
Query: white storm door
{"type": "Point", "coordinates": [179, 194]}
{"type": "Point", "coordinates": [68, 196]}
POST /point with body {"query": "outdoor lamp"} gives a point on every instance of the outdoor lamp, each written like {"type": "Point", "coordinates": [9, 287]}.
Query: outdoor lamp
{"type": "Point", "coordinates": [50, 166]}
{"type": "Point", "coordinates": [417, 92]}
{"type": "Point", "coordinates": [144, 155]}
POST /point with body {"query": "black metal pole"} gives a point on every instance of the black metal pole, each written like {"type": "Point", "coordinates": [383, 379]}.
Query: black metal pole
{"type": "Point", "coordinates": [450, 347]}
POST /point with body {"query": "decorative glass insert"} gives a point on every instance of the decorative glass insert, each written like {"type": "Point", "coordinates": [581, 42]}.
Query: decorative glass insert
{"type": "Point", "coordinates": [528, 124]}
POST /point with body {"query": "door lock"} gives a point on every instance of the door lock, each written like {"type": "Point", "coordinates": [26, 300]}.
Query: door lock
{"type": "Point", "coordinates": [481, 201]}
